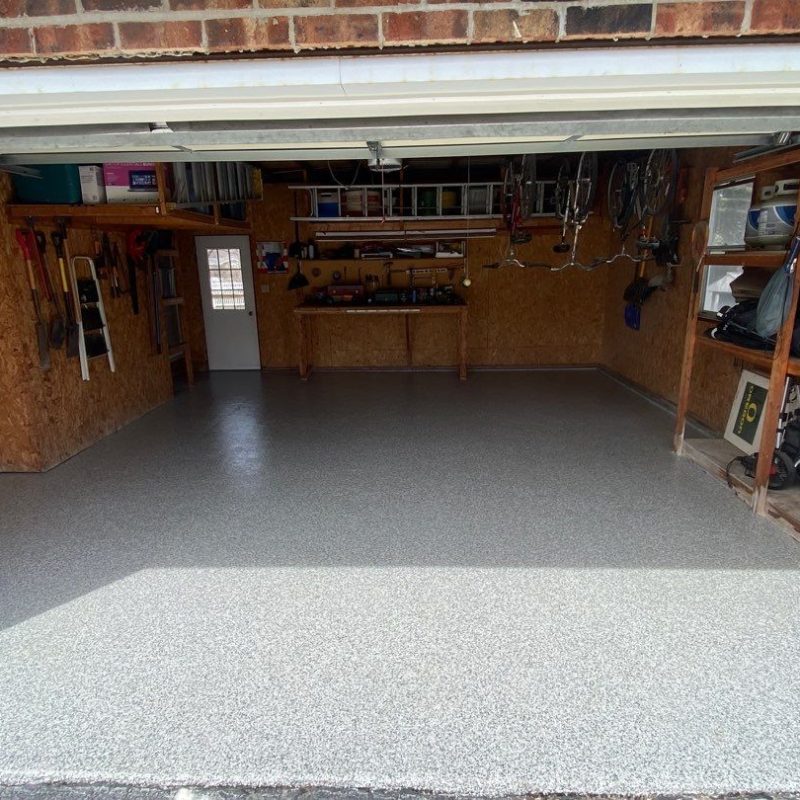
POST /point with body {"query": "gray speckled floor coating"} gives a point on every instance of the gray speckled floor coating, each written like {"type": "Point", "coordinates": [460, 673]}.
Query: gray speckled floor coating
{"type": "Point", "coordinates": [397, 580]}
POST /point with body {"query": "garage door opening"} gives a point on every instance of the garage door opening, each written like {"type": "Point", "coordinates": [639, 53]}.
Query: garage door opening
{"type": "Point", "coordinates": [451, 502]}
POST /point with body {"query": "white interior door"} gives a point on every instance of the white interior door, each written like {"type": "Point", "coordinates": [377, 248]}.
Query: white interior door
{"type": "Point", "coordinates": [229, 307]}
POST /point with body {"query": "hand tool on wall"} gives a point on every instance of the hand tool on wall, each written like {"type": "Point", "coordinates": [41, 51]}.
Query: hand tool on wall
{"type": "Point", "coordinates": [153, 290]}
{"type": "Point", "coordinates": [24, 242]}
{"type": "Point", "coordinates": [108, 260]}
{"type": "Point", "coordinates": [100, 263]}
{"type": "Point", "coordinates": [73, 330]}
{"type": "Point", "coordinates": [116, 272]}
{"type": "Point", "coordinates": [135, 246]}
{"type": "Point", "coordinates": [57, 327]}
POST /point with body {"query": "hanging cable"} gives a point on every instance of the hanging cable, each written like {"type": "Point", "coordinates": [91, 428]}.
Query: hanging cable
{"type": "Point", "coordinates": [338, 182]}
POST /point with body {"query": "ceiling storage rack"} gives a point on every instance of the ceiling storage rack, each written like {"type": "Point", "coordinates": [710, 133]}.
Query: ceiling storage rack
{"type": "Point", "coordinates": [715, 454]}
{"type": "Point", "coordinates": [206, 197]}
{"type": "Point", "coordinates": [411, 202]}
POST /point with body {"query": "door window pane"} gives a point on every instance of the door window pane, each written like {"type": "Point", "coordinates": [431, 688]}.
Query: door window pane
{"type": "Point", "coordinates": [225, 278]}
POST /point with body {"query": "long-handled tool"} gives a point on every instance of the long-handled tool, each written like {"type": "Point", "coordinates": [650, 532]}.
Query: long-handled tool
{"type": "Point", "coordinates": [57, 327]}
{"type": "Point", "coordinates": [154, 291]}
{"type": "Point", "coordinates": [41, 329]}
{"type": "Point", "coordinates": [110, 265]}
{"type": "Point", "coordinates": [136, 245]}
{"type": "Point", "coordinates": [117, 287]}
{"type": "Point", "coordinates": [73, 329]}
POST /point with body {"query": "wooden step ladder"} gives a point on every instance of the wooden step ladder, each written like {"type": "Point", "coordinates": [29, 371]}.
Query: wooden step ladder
{"type": "Point", "coordinates": [94, 340]}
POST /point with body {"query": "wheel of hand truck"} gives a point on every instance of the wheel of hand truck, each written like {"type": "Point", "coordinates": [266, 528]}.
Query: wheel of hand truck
{"type": "Point", "coordinates": [782, 473]}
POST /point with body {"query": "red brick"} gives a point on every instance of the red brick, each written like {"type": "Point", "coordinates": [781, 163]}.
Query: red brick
{"type": "Point", "coordinates": [341, 30]}
{"type": "Point", "coordinates": [202, 5]}
{"type": "Point", "coordinates": [425, 26]}
{"type": "Point", "coordinates": [120, 5]}
{"type": "Point", "coordinates": [74, 39]}
{"type": "Point", "coordinates": [699, 19]}
{"type": "Point", "coordinates": [15, 42]}
{"type": "Point", "coordinates": [508, 26]}
{"type": "Point", "coordinates": [154, 36]}
{"type": "Point", "coordinates": [357, 3]}
{"type": "Point", "coordinates": [775, 16]}
{"type": "Point", "coordinates": [44, 8]}
{"type": "Point", "coordinates": [295, 3]}
{"type": "Point", "coordinates": [608, 22]}
{"type": "Point", "coordinates": [11, 8]}
{"type": "Point", "coordinates": [238, 35]}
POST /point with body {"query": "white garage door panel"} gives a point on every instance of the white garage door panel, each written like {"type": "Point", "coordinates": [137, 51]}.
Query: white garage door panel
{"type": "Point", "coordinates": [602, 79]}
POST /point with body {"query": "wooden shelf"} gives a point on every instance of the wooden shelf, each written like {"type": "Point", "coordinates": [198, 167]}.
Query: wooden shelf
{"type": "Point", "coordinates": [762, 259]}
{"type": "Point", "coordinates": [758, 358]}
{"type": "Point", "coordinates": [714, 455]}
{"type": "Point", "coordinates": [419, 263]}
{"type": "Point", "coordinates": [420, 218]}
{"type": "Point", "coordinates": [123, 215]}
{"type": "Point", "coordinates": [762, 163]}
{"type": "Point", "coordinates": [172, 301]}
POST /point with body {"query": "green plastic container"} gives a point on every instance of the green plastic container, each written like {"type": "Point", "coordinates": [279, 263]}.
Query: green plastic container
{"type": "Point", "coordinates": [60, 183]}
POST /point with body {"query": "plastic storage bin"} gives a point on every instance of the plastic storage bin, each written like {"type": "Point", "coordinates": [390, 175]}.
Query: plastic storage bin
{"type": "Point", "coordinates": [60, 183]}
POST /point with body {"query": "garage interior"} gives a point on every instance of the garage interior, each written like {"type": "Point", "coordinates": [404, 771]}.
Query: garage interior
{"type": "Point", "coordinates": [453, 509]}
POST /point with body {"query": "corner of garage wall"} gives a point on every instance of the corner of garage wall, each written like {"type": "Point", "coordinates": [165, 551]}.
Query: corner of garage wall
{"type": "Point", "coordinates": [50, 415]}
{"type": "Point", "coordinates": [651, 358]}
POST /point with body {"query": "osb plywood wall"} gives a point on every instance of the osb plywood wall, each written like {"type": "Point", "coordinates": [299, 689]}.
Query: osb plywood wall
{"type": "Point", "coordinates": [515, 317]}
{"type": "Point", "coordinates": [55, 414]}
{"type": "Point", "coordinates": [18, 355]}
{"type": "Point", "coordinates": [652, 357]}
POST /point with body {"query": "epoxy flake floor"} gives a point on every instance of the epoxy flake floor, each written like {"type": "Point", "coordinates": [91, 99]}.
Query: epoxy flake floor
{"type": "Point", "coordinates": [397, 580]}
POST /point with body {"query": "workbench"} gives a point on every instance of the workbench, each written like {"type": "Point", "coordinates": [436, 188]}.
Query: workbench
{"type": "Point", "coordinates": [306, 313]}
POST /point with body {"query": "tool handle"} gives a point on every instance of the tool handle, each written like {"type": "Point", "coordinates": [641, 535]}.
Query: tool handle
{"type": "Point", "coordinates": [58, 243]}
{"type": "Point", "coordinates": [35, 248]}
{"type": "Point", "coordinates": [31, 276]}
{"type": "Point", "coordinates": [23, 242]}
{"type": "Point", "coordinates": [63, 271]}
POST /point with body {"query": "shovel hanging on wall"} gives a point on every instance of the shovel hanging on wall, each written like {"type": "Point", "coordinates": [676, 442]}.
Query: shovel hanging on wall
{"type": "Point", "coordinates": [73, 330]}
{"type": "Point", "coordinates": [25, 242]}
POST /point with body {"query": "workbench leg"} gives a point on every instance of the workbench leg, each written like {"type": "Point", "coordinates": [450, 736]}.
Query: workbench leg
{"type": "Point", "coordinates": [302, 345]}
{"type": "Point", "coordinates": [462, 345]}
{"type": "Point", "coordinates": [409, 359]}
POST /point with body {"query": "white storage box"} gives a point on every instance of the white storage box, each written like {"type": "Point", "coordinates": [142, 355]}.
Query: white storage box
{"type": "Point", "coordinates": [93, 186]}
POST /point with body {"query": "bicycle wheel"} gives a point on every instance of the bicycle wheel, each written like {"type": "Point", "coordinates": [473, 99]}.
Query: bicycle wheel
{"type": "Point", "coordinates": [507, 196]}
{"type": "Point", "coordinates": [621, 193]}
{"type": "Point", "coordinates": [528, 186]}
{"type": "Point", "coordinates": [563, 194]}
{"type": "Point", "coordinates": [585, 187]}
{"type": "Point", "coordinates": [658, 181]}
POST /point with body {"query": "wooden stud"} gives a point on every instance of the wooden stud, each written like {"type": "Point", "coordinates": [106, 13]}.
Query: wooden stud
{"type": "Point", "coordinates": [161, 184]}
{"type": "Point", "coordinates": [775, 394]}
{"type": "Point", "coordinates": [691, 324]}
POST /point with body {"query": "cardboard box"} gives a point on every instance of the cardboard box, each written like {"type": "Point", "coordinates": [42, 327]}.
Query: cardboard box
{"type": "Point", "coordinates": [133, 182]}
{"type": "Point", "coordinates": [93, 187]}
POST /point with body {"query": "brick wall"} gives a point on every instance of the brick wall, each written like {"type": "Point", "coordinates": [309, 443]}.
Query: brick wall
{"type": "Point", "coordinates": [66, 29]}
